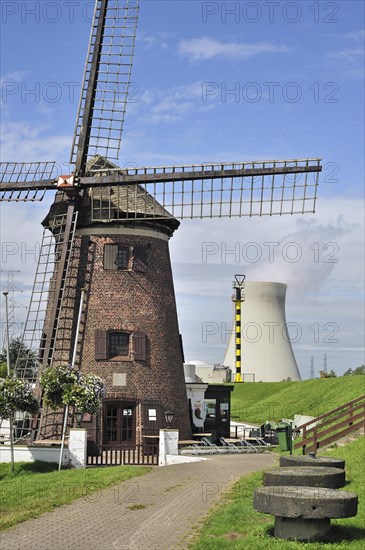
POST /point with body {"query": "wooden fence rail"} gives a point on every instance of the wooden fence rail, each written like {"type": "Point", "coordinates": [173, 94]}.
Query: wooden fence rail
{"type": "Point", "coordinates": [333, 425]}
{"type": "Point", "coordinates": [118, 455]}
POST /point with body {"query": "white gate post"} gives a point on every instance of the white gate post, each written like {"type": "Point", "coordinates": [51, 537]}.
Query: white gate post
{"type": "Point", "coordinates": [77, 445]}
{"type": "Point", "coordinates": [168, 445]}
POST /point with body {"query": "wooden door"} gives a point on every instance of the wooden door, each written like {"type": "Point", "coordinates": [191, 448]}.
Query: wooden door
{"type": "Point", "coordinates": [120, 423]}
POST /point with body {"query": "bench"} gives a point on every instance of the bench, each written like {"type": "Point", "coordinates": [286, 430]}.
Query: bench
{"type": "Point", "coordinates": [304, 513]}
{"type": "Point", "coordinates": [49, 442]}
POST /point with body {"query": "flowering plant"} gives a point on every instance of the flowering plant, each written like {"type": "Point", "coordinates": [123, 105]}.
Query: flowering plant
{"type": "Point", "coordinates": [64, 385]}
{"type": "Point", "coordinates": [16, 395]}
{"type": "Point", "coordinates": [56, 381]}
{"type": "Point", "coordinates": [87, 394]}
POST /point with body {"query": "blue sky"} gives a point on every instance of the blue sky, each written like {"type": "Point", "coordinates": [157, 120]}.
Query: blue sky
{"type": "Point", "coordinates": [214, 81]}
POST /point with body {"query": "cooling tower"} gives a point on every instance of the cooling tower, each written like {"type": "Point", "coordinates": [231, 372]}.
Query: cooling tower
{"type": "Point", "coordinates": [267, 354]}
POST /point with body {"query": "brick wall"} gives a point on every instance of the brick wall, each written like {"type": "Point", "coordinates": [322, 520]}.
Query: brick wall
{"type": "Point", "coordinates": [131, 301]}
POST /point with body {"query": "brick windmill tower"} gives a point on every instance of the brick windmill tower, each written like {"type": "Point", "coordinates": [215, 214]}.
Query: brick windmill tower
{"type": "Point", "coordinates": [103, 297]}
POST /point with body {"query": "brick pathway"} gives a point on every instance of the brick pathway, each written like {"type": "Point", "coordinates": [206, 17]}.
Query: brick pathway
{"type": "Point", "coordinates": [157, 511]}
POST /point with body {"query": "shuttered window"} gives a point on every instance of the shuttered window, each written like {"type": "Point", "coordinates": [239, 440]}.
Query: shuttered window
{"type": "Point", "coordinates": [139, 341]}
{"type": "Point", "coordinates": [110, 256]}
{"type": "Point", "coordinates": [116, 257]}
{"type": "Point", "coordinates": [101, 352]}
{"type": "Point", "coordinates": [118, 345]}
{"type": "Point", "coordinates": [120, 257]}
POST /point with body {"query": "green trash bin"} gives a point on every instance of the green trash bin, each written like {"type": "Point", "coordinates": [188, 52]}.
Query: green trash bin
{"type": "Point", "coordinates": [284, 436]}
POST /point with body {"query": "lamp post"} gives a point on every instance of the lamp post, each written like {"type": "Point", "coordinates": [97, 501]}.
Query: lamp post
{"type": "Point", "coordinates": [65, 417]}
{"type": "Point", "coordinates": [8, 373]}
{"type": "Point", "coordinates": [169, 415]}
{"type": "Point", "coordinates": [5, 294]}
{"type": "Point", "coordinates": [78, 416]}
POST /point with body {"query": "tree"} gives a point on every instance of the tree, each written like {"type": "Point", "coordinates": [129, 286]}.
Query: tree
{"type": "Point", "coordinates": [358, 371]}
{"type": "Point", "coordinates": [331, 374]}
{"type": "Point", "coordinates": [18, 348]}
{"type": "Point", "coordinates": [3, 370]}
{"type": "Point", "coordinates": [15, 395]}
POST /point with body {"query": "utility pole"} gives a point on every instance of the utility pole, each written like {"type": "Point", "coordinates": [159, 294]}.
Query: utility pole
{"type": "Point", "coordinates": [12, 304]}
{"type": "Point", "coordinates": [311, 375]}
{"type": "Point", "coordinates": [325, 363]}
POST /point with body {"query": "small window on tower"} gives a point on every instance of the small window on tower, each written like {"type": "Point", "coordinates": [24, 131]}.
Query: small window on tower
{"type": "Point", "coordinates": [122, 259]}
{"type": "Point", "coordinates": [118, 344]}
{"type": "Point", "coordinates": [117, 257]}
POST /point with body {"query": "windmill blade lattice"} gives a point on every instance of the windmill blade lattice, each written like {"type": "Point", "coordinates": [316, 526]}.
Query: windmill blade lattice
{"type": "Point", "coordinates": [106, 84]}
{"type": "Point", "coordinates": [49, 287]}
{"type": "Point", "coordinates": [260, 188]}
{"type": "Point", "coordinates": [25, 181]}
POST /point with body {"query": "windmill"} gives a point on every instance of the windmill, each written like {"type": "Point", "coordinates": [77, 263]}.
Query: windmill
{"type": "Point", "coordinates": [103, 295]}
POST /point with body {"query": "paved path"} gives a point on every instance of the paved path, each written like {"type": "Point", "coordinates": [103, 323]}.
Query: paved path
{"type": "Point", "coordinates": [154, 512]}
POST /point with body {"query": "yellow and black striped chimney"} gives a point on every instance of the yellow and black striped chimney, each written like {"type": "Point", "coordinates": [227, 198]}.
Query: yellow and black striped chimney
{"type": "Point", "coordinates": [238, 298]}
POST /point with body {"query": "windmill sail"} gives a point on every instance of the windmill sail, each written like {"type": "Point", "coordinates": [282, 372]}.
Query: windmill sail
{"type": "Point", "coordinates": [25, 181]}
{"type": "Point", "coordinates": [87, 247]}
{"type": "Point", "coordinates": [106, 84]}
{"type": "Point", "coordinates": [255, 188]}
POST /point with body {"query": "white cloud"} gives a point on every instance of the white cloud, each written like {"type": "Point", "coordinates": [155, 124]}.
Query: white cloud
{"type": "Point", "coordinates": [170, 105]}
{"type": "Point", "coordinates": [151, 40]}
{"type": "Point", "coordinates": [349, 56]}
{"type": "Point", "coordinates": [11, 78]}
{"type": "Point", "coordinates": [9, 86]}
{"type": "Point", "coordinates": [329, 293]}
{"type": "Point", "coordinates": [356, 35]}
{"type": "Point", "coordinates": [197, 49]}
{"type": "Point", "coordinates": [349, 59]}
{"type": "Point", "coordinates": [25, 142]}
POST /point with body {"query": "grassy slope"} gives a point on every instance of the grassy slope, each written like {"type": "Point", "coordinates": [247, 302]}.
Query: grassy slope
{"type": "Point", "coordinates": [35, 487]}
{"type": "Point", "coordinates": [263, 401]}
{"type": "Point", "coordinates": [234, 524]}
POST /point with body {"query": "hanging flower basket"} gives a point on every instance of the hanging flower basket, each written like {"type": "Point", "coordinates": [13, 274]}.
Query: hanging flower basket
{"type": "Point", "coordinates": [64, 385]}
{"type": "Point", "coordinates": [16, 395]}
{"type": "Point", "coordinates": [56, 381]}
{"type": "Point", "coordinates": [86, 396]}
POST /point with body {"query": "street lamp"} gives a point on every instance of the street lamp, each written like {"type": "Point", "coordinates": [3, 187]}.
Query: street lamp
{"type": "Point", "coordinates": [169, 415]}
{"type": "Point", "coordinates": [78, 416]}
{"type": "Point", "coordinates": [11, 418]}
{"type": "Point", "coordinates": [5, 294]}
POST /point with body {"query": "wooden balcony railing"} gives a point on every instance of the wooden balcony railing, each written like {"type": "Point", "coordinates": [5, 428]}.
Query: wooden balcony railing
{"type": "Point", "coordinates": [333, 425]}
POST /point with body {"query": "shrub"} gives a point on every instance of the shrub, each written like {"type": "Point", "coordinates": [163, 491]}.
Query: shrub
{"type": "Point", "coordinates": [16, 395]}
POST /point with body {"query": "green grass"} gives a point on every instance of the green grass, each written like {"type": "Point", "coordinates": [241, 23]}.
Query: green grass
{"type": "Point", "coordinates": [235, 525]}
{"type": "Point", "coordinates": [37, 487]}
{"type": "Point", "coordinates": [263, 401]}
